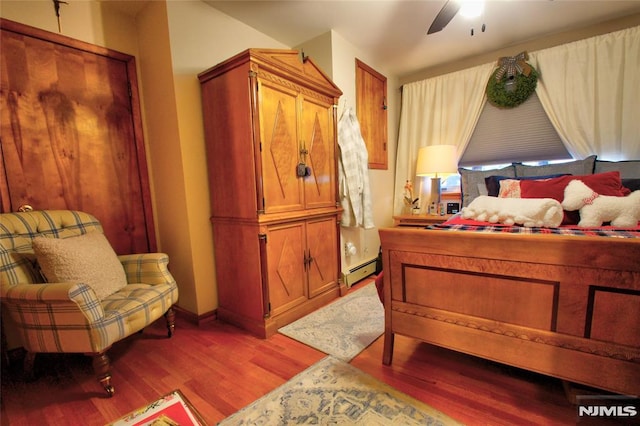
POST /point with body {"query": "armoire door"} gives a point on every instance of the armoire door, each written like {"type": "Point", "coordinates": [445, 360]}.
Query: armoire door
{"type": "Point", "coordinates": [317, 139]}
{"type": "Point", "coordinates": [322, 266]}
{"type": "Point", "coordinates": [71, 133]}
{"type": "Point", "coordinates": [286, 255]}
{"type": "Point", "coordinates": [280, 148]}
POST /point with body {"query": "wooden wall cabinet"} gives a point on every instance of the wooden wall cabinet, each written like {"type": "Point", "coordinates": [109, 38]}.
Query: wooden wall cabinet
{"type": "Point", "coordinates": [275, 232]}
{"type": "Point", "coordinates": [371, 109]}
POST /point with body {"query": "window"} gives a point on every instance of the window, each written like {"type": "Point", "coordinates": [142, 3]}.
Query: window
{"type": "Point", "coordinates": [524, 133]}
{"type": "Point", "coordinates": [450, 184]}
{"type": "Point", "coordinates": [526, 163]}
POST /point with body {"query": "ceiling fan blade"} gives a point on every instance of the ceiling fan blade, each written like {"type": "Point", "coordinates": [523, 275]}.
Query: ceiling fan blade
{"type": "Point", "coordinates": [446, 14]}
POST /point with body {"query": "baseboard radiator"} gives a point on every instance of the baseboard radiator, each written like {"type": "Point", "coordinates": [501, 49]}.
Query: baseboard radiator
{"type": "Point", "coordinates": [359, 272]}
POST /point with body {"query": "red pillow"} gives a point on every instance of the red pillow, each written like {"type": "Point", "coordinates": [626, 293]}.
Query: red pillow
{"type": "Point", "coordinates": [608, 183]}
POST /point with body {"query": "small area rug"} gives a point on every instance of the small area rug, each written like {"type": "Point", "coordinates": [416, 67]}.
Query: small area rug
{"type": "Point", "coordinates": [332, 392]}
{"type": "Point", "coordinates": [343, 328]}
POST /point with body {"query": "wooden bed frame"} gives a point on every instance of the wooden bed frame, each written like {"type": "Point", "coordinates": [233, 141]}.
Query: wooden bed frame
{"type": "Point", "coordinates": [565, 306]}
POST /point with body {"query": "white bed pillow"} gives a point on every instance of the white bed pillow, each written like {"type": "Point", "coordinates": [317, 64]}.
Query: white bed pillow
{"type": "Point", "coordinates": [88, 258]}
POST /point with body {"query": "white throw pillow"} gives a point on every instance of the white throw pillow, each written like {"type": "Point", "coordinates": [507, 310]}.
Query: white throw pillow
{"type": "Point", "coordinates": [88, 258]}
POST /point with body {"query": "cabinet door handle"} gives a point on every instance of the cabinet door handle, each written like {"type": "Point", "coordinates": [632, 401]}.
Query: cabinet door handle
{"type": "Point", "coordinates": [307, 259]}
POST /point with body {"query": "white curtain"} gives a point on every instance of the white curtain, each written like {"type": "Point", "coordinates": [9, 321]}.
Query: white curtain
{"type": "Point", "coordinates": [438, 111]}
{"type": "Point", "coordinates": [590, 89]}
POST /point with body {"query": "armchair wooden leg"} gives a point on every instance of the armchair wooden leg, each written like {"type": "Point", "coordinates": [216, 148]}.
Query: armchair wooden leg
{"type": "Point", "coordinates": [101, 367]}
{"type": "Point", "coordinates": [170, 316]}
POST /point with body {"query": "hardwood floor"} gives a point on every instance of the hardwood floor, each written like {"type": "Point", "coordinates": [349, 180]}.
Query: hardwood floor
{"type": "Point", "coordinates": [221, 369]}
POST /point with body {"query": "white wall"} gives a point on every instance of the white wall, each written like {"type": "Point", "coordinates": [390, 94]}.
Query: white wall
{"type": "Point", "coordinates": [341, 67]}
{"type": "Point", "coordinates": [89, 21]}
{"type": "Point", "coordinates": [344, 56]}
{"type": "Point", "coordinates": [180, 39]}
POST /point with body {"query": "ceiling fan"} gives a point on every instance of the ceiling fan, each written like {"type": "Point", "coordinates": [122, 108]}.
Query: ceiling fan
{"type": "Point", "coordinates": [450, 9]}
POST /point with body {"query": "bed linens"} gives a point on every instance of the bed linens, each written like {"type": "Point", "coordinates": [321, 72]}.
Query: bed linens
{"type": "Point", "coordinates": [457, 223]}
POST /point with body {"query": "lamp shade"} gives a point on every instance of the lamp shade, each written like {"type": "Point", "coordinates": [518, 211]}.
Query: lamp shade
{"type": "Point", "coordinates": [437, 160]}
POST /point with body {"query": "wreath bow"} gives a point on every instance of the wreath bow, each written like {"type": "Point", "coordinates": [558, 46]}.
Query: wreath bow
{"type": "Point", "coordinates": [509, 65]}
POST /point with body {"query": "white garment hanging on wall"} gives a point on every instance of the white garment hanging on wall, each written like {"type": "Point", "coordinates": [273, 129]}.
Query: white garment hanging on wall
{"type": "Point", "coordinates": [353, 165]}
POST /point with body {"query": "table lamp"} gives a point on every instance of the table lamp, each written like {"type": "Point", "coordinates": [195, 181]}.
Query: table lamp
{"type": "Point", "coordinates": [437, 161]}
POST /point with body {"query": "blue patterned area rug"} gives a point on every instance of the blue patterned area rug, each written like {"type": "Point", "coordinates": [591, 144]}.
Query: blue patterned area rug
{"type": "Point", "coordinates": [332, 392]}
{"type": "Point", "coordinates": [343, 328]}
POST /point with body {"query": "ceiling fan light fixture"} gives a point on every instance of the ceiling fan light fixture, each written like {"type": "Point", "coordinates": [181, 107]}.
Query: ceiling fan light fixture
{"type": "Point", "coordinates": [472, 8]}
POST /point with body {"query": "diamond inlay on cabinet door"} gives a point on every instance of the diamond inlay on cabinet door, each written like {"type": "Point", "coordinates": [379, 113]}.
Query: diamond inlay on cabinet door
{"type": "Point", "coordinates": [317, 134]}
{"type": "Point", "coordinates": [322, 243]}
{"type": "Point", "coordinates": [285, 248]}
{"type": "Point", "coordinates": [287, 269]}
{"type": "Point", "coordinates": [317, 152]}
{"type": "Point", "coordinates": [282, 149]}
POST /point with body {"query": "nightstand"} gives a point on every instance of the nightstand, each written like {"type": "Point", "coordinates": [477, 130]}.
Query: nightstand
{"type": "Point", "coordinates": [419, 220]}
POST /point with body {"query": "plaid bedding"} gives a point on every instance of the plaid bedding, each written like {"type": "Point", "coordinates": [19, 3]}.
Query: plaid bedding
{"type": "Point", "coordinates": [459, 224]}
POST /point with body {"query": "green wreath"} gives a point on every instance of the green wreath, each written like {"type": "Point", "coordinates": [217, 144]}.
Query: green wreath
{"type": "Point", "coordinates": [498, 95]}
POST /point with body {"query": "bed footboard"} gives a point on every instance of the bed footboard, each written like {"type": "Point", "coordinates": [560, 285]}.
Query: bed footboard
{"type": "Point", "coordinates": [568, 307]}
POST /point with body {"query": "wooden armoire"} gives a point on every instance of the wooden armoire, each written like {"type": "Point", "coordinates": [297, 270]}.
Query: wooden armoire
{"type": "Point", "coordinates": [270, 129]}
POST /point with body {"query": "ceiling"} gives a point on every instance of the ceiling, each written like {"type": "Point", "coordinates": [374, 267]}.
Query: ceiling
{"type": "Point", "coordinates": [393, 33]}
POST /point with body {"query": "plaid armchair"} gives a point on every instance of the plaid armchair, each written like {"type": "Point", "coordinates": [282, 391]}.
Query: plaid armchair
{"type": "Point", "coordinates": [68, 316]}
